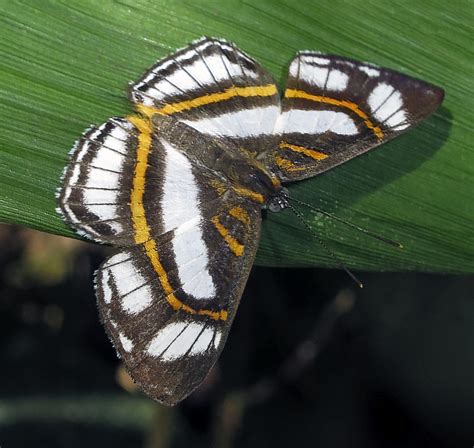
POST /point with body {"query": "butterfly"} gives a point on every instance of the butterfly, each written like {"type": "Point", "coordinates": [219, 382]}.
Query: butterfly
{"type": "Point", "coordinates": [179, 187]}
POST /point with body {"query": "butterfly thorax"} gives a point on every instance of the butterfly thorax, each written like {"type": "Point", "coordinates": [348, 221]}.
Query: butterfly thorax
{"type": "Point", "coordinates": [251, 179]}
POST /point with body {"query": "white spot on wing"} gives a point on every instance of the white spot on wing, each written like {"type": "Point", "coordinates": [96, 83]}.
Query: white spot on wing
{"type": "Point", "coordinates": [102, 179]}
{"type": "Point", "coordinates": [396, 119]}
{"type": "Point", "coordinates": [180, 204]}
{"type": "Point", "coordinates": [114, 143]}
{"type": "Point", "coordinates": [127, 343]}
{"type": "Point", "coordinates": [103, 211]}
{"type": "Point", "coordinates": [135, 295]}
{"type": "Point", "coordinates": [342, 124]}
{"type": "Point", "coordinates": [316, 122]}
{"type": "Point", "coordinates": [138, 300]}
{"type": "Point", "coordinates": [184, 57]}
{"type": "Point", "coordinates": [313, 75]}
{"type": "Point", "coordinates": [337, 80]}
{"type": "Point", "coordinates": [105, 158]}
{"type": "Point", "coordinates": [164, 338]}
{"type": "Point", "coordinates": [242, 123]}
{"type": "Point", "coordinates": [217, 339]}
{"type": "Point", "coordinates": [200, 71]}
{"type": "Point", "coordinates": [185, 342]}
{"type": "Point", "coordinates": [390, 106]}
{"type": "Point", "coordinates": [117, 258]}
{"type": "Point", "coordinates": [370, 71]}
{"type": "Point", "coordinates": [93, 196]}
{"type": "Point", "coordinates": [180, 338]}
{"type": "Point", "coordinates": [106, 291]}
{"type": "Point", "coordinates": [202, 344]}
{"type": "Point", "coordinates": [386, 104]}
{"type": "Point", "coordinates": [379, 95]}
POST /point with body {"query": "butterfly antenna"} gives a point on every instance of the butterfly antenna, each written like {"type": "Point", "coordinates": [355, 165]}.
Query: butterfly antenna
{"type": "Point", "coordinates": [324, 245]}
{"type": "Point", "coordinates": [349, 224]}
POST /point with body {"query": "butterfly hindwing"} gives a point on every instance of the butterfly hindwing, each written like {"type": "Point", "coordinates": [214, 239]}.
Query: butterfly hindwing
{"type": "Point", "coordinates": [215, 88]}
{"type": "Point", "coordinates": [336, 108]}
{"type": "Point", "coordinates": [168, 306]}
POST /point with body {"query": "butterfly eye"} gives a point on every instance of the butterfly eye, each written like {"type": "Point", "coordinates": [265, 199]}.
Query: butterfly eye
{"type": "Point", "coordinates": [277, 203]}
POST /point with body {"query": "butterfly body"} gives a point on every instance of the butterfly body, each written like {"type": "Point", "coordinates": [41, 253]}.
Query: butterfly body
{"type": "Point", "coordinates": [178, 188]}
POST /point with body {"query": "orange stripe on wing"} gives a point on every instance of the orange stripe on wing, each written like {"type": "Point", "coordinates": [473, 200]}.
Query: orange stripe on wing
{"type": "Point", "coordinates": [294, 93]}
{"type": "Point", "coordinates": [232, 92]}
{"type": "Point", "coordinates": [236, 247]}
{"type": "Point", "coordinates": [141, 228]}
{"type": "Point", "coordinates": [240, 214]}
{"type": "Point", "coordinates": [287, 165]}
{"type": "Point", "coordinates": [316, 155]}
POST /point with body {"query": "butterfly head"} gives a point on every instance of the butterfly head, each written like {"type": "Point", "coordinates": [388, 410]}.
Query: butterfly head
{"type": "Point", "coordinates": [279, 201]}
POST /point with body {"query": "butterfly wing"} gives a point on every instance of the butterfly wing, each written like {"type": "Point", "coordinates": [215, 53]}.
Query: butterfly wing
{"type": "Point", "coordinates": [97, 183]}
{"type": "Point", "coordinates": [168, 305]}
{"type": "Point", "coordinates": [168, 298]}
{"type": "Point", "coordinates": [335, 108]}
{"type": "Point", "coordinates": [215, 88]}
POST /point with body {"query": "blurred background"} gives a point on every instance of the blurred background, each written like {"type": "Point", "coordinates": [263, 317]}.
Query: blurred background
{"type": "Point", "coordinates": [311, 360]}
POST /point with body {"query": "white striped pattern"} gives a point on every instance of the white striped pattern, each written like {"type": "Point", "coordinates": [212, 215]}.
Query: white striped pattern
{"type": "Point", "coordinates": [102, 176]}
{"type": "Point", "coordinates": [180, 338]}
{"type": "Point", "coordinates": [294, 120]}
{"type": "Point", "coordinates": [79, 151]}
{"type": "Point", "coordinates": [372, 72]}
{"type": "Point", "coordinates": [135, 294]}
{"type": "Point", "coordinates": [190, 75]}
{"type": "Point", "coordinates": [320, 75]}
{"type": "Point", "coordinates": [316, 122]}
{"type": "Point", "coordinates": [181, 213]}
{"type": "Point", "coordinates": [233, 124]}
{"type": "Point", "coordinates": [337, 81]}
{"type": "Point", "coordinates": [241, 123]}
{"type": "Point", "coordinates": [127, 343]}
{"type": "Point", "coordinates": [386, 105]}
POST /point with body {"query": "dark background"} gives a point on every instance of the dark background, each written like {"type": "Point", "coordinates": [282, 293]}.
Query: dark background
{"type": "Point", "coordinates": [311, 361]}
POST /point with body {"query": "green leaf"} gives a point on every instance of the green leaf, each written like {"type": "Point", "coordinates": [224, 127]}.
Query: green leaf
{"type": "Point", "coordinates": [65, 65]}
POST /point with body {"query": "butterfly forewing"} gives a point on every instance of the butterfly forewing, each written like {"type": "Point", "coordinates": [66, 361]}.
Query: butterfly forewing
{"type": "Point", "coordinates": [335, 108]}
{"type": "Point", "coordinates": [215, 88]}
